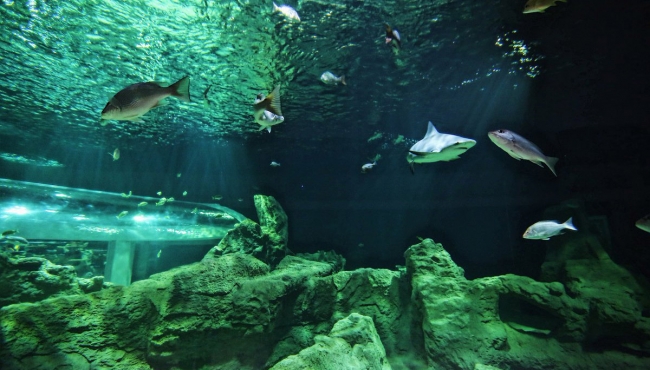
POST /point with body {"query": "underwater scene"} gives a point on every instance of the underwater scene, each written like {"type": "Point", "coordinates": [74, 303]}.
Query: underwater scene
{"type": "Point", "coordinates": [324, 185]}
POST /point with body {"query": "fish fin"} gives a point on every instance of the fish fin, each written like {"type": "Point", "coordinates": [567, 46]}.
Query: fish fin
{"type": "Point", "coordinates": [431, 130]}
{"type": "Point", "coordinates": [569, 224]}
{"type": "Point", "coordinates": [160, 103]}
{"type": "Point", "coordinates": [343, 80]}
{"type": "Point", "coordinates": [417, 153]}
{"type": "Point", "coordinates": [276, 8]}
{"type": "Point", "coordinates": [137, 119]}
{"type": "Point", "coordinates": [512, 155]}
{"type": "Point", "coordinates": [546, 239]}
{"type": "Point", "coordinates": [550, 162]}
{"type": "Point", "coordinates": [411, 167]}
{"type": "Point", "coordinates": [268, 129]}
{"type": "Point", "coordinates": [205, 93]}
{"type": "Point", "coordinates": [181, 89]}
{"type": "Point", "coordinates": [538, 163]}
{"type": "Point", "coordinates": [275, 101]}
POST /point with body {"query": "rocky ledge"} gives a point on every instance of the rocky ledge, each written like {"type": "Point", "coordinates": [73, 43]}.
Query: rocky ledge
{"type": "Point", "coordinates": [250, 304]}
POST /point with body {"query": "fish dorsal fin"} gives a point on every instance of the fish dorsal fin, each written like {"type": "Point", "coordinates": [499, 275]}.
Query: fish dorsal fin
{"type": "Point", "coordinates": [274, 97]}
{"type": "Point", "coordinates": [431, 130]}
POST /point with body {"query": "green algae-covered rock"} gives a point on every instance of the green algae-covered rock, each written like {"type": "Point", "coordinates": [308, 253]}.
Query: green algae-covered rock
{"type": "Point", "coordinates": [266, 241]}
{"type": "Point", "coordinates": [235, 311]}
{"type": "Point", "coordinates": [210, 312]}
{"type": "Point", "coordinates": [33, 279]}
{"type": "Point", "coordinates": [272, 218]}
{"type": "Point", "coordinates": [353, 343]}
{"type": "Point", "coordinates": [506, 321]}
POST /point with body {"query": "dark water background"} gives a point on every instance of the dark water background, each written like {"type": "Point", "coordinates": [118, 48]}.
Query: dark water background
{"type": "Point", "coordinates": [588, 106]}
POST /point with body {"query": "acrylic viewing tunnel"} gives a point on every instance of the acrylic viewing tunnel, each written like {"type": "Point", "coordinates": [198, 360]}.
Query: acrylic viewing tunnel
{"type": "Point", "coordinates": [55, 213]}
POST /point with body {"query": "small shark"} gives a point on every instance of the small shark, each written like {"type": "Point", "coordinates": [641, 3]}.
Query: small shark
{"type": "Point", "coordinates": [437, 147]}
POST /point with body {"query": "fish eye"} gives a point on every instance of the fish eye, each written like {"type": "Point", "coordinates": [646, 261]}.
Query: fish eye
{"type": "Point", "coordinates": [500, 131]}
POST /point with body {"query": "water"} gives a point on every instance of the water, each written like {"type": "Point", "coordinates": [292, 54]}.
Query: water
{"type": "Point", "coordinates": [468, 68]}
{"type": "Point", "coordinates": [572, 80]}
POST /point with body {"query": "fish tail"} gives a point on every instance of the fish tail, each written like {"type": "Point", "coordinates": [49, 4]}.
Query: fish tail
{"type": "Point", "coordinates": [411, 167]}
{"type": "Point", "coordinates": [181, 89]}
{"type": "Point", "coordinates": [343, 80]}
{"type": "Point", "coordinates": [550, 162]}
{"type": "Point", "coordinates": [569, 224]}
{"type": "Point", "coordinates": [274, 96]}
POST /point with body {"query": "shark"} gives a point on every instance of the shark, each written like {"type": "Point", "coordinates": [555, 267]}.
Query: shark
{"type": "Point", "coordinates": [437, 147]}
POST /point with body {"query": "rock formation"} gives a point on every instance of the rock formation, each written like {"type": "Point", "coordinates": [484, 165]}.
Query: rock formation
{"type": "Point", "coordinates": [353, 343]}
{"type": "Point", "coordinates": [252, 305]}
{"type": "Point", "coordinates": [266, 241]}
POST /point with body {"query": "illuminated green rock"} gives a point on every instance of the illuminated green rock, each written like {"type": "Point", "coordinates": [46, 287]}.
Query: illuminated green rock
{"type": "Point", "coordinates": [353, 343]}
{"type": "Point", "coordinates": [266, 241]}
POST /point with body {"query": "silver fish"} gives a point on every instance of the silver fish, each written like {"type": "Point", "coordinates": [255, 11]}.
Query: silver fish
{"type": "Point", "coordinates": [520, 148]}
{"type": "Point", "coordinates": [136, 100]}
{"type": "Point", "coordinates": [330, 78]}
{"type": "Point", "coordinates": [275, 164]}
{"type": "Point", "coordinates": [437, 147]}
{"type": "Point", "coordinates": [545, 229]}
{"type": "Point", "coordinates": [267, 109]}
{"type": "Point", "coordinates": [367, 167]}
{"type": "Point", "coordinates": [268, 119]}
{"type": "Point", "coordinates": [287, 11]}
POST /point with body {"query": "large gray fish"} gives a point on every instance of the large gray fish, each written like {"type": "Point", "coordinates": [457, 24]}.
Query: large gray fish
{"type": "Point", "coordinates": [436, 147]}
{"type": "Point", "coordinates": [136, 100]}
{"type": "Point", "coordinates": [267, 109]}
{"type": "Point", "coordinates": [520, 148]}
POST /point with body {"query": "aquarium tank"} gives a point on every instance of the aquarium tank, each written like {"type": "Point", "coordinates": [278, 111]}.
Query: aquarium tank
{"type": "Point", "coordinates": [311, 184]}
